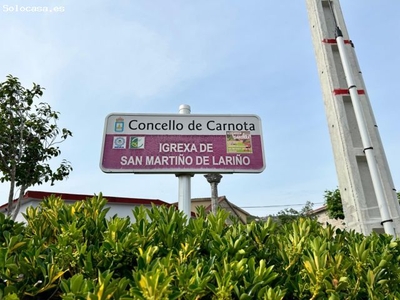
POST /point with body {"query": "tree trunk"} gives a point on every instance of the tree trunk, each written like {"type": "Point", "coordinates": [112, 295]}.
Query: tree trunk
{"type": "Point", "coordinates": [18, 204]}
{"type": "Point", "coordinates": [11, 197]}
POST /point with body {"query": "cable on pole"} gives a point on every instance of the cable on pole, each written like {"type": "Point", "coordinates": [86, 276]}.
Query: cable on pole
{"type": "Point", "coordinates": [387, 221]}
{"type": "Point", "coordinates": [338, 32]}
{"type": "Point", "coordinates": [333, 12]}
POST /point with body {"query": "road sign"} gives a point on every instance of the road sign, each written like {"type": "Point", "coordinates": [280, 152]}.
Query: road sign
{"type": "Point", "coordinates": [182, 143]}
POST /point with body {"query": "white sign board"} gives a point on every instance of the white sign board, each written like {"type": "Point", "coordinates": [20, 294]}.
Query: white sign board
{"type": "Point", "coordinates": [182, 143]}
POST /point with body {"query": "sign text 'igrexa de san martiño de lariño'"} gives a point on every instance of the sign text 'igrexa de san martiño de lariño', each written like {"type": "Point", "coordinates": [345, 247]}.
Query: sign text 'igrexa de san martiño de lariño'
{"type": "Point", "coordinates": [180, 143]}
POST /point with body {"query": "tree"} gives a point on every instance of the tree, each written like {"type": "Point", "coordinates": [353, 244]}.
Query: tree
{"type": "Point", "coordinates": [28, 140]}
{"type": "Point", "coordinates": [334, 204]}
{"type": "Point", "coordinates": [288, 215]}
{"type": "Point", "coordinates": [333, 201]}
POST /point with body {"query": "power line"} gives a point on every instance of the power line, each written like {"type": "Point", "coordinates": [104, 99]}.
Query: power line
{"type": "Point", "coordinates": [282, 205]}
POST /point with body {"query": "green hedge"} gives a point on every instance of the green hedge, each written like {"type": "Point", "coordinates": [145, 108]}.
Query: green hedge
{"type": "Point", "coordinates": [75, 252]}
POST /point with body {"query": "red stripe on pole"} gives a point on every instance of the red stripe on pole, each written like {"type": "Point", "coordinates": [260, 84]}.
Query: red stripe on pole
{"type": "Point", "coordinates": [333, 41]}
{"type": "Point", "coordinates": [338, 92]}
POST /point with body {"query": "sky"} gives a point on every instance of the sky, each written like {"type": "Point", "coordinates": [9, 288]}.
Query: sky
{"type": "Point", "coordinates": [218, 56]}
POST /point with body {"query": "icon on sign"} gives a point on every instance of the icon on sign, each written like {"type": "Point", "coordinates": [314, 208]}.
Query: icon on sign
{"type": "Point", "coordinates": [136, 142]}
{"type": "Point", "coordinates": [119, 142]}
{"type": "Point", "coordinates": [238, 142]}
{"type": "Point", "coordinates": [119, 125]}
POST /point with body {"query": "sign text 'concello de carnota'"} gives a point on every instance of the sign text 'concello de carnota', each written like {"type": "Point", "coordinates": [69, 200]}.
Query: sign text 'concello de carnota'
{"type": "Point", "coordinates": [179, 143]}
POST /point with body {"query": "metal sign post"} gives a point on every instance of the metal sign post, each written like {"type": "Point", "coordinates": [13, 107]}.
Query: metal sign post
{"type": "Point", "coordinates": [184, 192]}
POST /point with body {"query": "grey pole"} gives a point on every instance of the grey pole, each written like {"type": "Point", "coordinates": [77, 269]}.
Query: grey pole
{"type": "Point", "coordinates": [184, 194]}
{"type": "Point", "coordinates": [214, 179]}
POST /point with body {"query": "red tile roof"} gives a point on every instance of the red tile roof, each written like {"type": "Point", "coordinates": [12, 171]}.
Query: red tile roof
{"type": "Point", "coordinates": [39, 195]}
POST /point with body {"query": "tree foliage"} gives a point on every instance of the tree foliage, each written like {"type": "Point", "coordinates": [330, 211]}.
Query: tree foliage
{"type": "Point", "coordinates": [288, 215]}
{"type": "Point", "coordinates": [333, 201]}
{"type": "Point", "coordinates": [76, 252]}
{"type": "Point", "coordinates": [28, 140]}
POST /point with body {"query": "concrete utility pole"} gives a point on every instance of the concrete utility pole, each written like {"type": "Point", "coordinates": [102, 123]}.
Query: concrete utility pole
{"type": "Point", "coordinates": [365, 183]}
{"type": "Point", "coordinates": [214, 179]}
